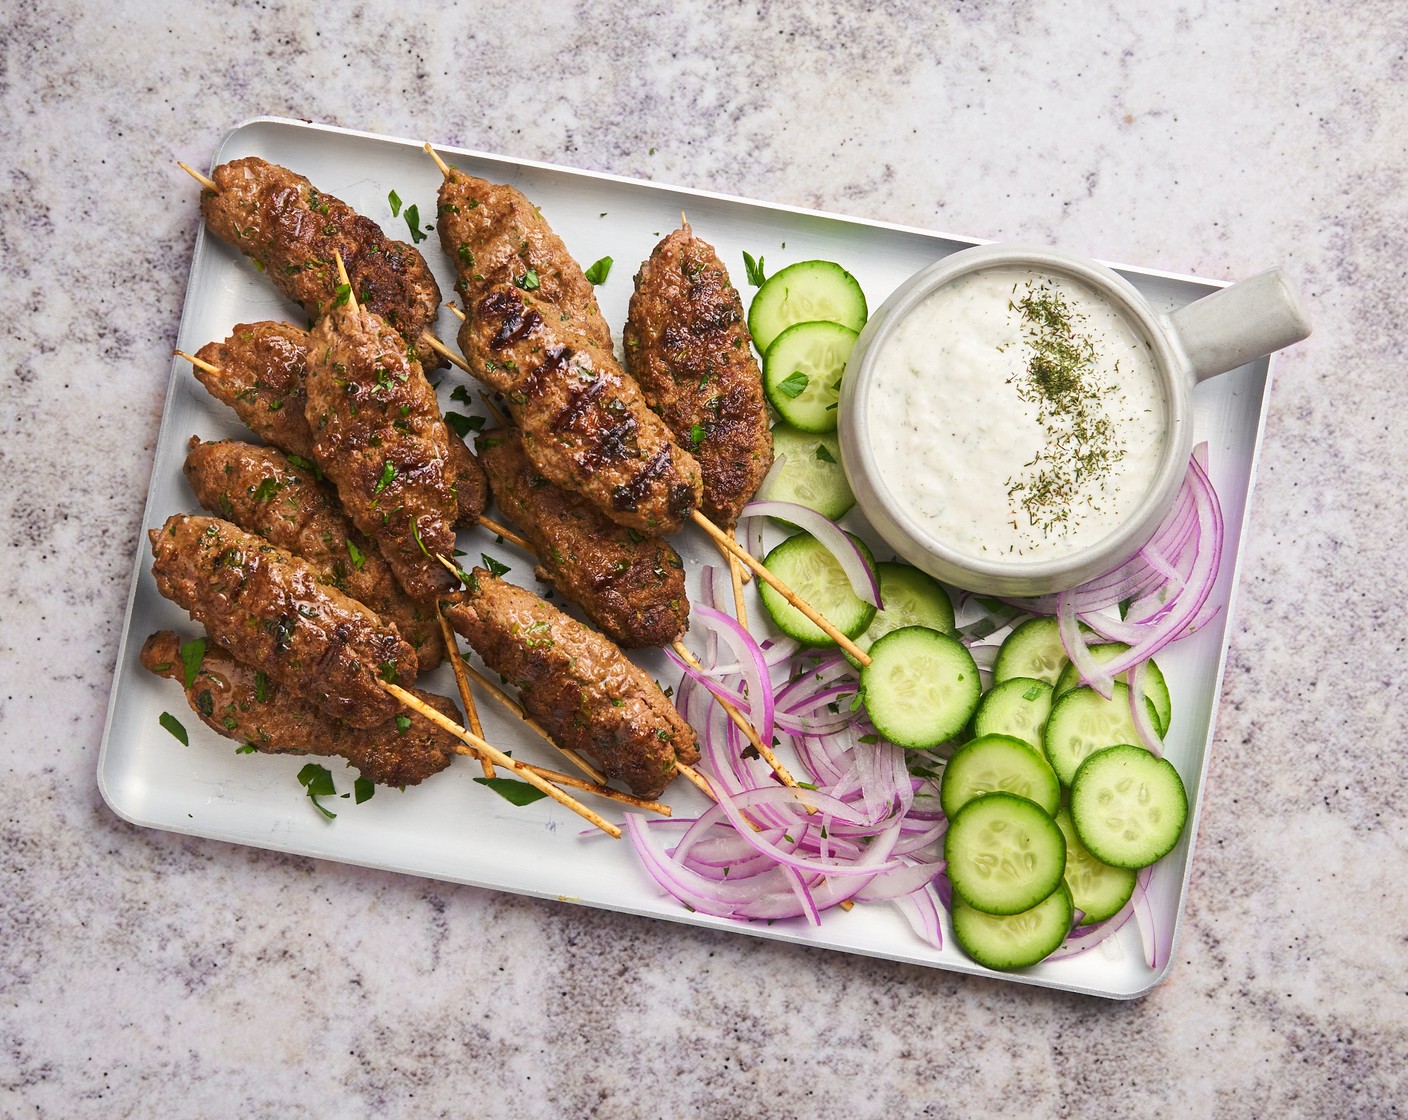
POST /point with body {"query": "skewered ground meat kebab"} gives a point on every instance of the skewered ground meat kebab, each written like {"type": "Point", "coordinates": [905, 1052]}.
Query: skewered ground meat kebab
{"type": "Point", "coordinates": [493, 233]}
{"type": "Point", "coordinates": [629, 585]}
{"type": "Point", "coordinates": [534, 333]}
{"type": "Point", "coordinates": [262, 368]}
{"type": "Point", "coordinates": [269, 610]}
{"type": "Point", "coordinates": [231, 699]}
{"type": "Point", "coordinates": [290, 228]}
{"type": "Point", "coordinates": [575, 682]}
{"type": "Point", "coordinates": [585, 424]}
{"type": "Point", "coordinates": [258, 489]}
{"type": "Point", "coordinates": [379, 436]}
{"type": "Point", "coordinates": [687, 344]}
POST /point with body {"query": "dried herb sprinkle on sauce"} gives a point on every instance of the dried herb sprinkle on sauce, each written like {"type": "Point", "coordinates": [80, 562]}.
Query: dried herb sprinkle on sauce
{"type": "Point", "coordinates": [1062, 380]}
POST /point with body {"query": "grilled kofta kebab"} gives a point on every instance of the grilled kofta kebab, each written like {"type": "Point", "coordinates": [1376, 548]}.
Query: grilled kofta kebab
{"type": "Point", "coordinates": [631, 586]}
{"type": "Point", "coordinates": [534, 334]}
{"type": "Point", "coordinates": [233, 700]}
{"type": "Point", "coordinates": [687, 345]}
{"type": "Point", "coordinates": [261, 491]}
{"type": "Point", "coordinates": [270, 610]}
{"type": "Point", "coordinates": [379, 436]}
{"type": "Point", "coordinates": [259, 372]}
{"type": "Point", "coordinates": [583, 690]}
{"type": "Point", "coordinates": [294, 232]}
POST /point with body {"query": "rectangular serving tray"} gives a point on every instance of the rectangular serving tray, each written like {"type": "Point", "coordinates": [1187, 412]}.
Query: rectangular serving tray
{"type": "Point", "coordinates": [455, 830]}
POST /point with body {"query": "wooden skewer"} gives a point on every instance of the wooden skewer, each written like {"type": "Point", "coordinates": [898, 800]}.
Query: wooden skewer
{"type": "Point", "coordinates": [698, 779]}
{"type": "Point", "coordinates": [735, 575]}
{"type": "Point", "coordinates": [440, 163]}
{"type": "Point", "coordinates": [343, 279]}
{"type": "Point", "coordinates": [412, 701]}
{"type": "Point", "coordinates": [452, 651]}
{"type": "Point", "coordinates": [444, 351]}
{"type": "Point", "coordinates": [505, 532]}
{"type": "Point", "coordinates": [204, 180]}
{"type": "Point", "coordinates": [741, 722]}
{"type": "Point", "coordinates": [722, 538]}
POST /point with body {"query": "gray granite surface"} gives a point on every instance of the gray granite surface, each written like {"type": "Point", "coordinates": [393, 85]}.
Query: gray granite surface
{"type": "Point", "coordinates": [144, 973]}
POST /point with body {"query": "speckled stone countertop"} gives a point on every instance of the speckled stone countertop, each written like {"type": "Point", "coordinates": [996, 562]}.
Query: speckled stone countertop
{"type": "Point", "coordinates": [144, 973]}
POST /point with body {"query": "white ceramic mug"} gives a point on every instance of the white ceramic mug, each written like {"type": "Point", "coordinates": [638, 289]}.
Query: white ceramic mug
{"type": "Point", "coordinates": [1214, 334]}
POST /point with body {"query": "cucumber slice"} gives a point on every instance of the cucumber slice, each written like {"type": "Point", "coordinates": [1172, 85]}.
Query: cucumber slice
{"type": "Point", "coordinates": [811, 474]}
{"type": "Point", "coordinates": [1016, 940]}
{"type": "Point", "coordinates": [1033, 649]}
{"type": "Point", "coordinates": [806, 566]}
{"type": "Point", "coordinates": [1127, 806]}
{"type": "Point", "coordinates": [920, 687]}
{"type": "Point", "coordinates": [802, 372]}
{"type": "Point", "coordinates": [1018, 706]}
{"type": "Point", "coordinates": [993, 763]}
{"type": "Point", "coordinates": [908, 597]}
{"type": "Point", "coordinates": [1005, 853]}
{"type": "Point", "coordinates": [1083, 722]}
{"type": "Point", "coordinates": [806, 292]}
{"type": "Point", "coordinates": [1155, 687]}
{"type": "Point", "coordinates": [1098, 890]}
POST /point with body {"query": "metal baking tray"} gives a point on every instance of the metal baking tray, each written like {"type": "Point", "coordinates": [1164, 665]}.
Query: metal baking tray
{"type": "Point", "coordinates": [454, 830]}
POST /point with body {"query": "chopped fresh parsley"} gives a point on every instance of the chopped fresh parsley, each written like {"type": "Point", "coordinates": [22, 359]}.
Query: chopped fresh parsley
{"type": "Point", "coordinates": [794, 384]}
{"type": "Point", "coordinates": [599, 271]}
{"type": "Point", "coordinates": [754, 269]}
{"type": "Point", "coordinates": [388, 473]}
{"type": "Point", "coordinates": [362, 790]}
{"type": "Point", "coordinates": [262, 689]}
{"type": "Point", "coordinates": [462, 425]}
{"type": "Point", "coordinates": [395, 200]}
{"type": "Point", "coordinates": [344, 293]}
{"type": "Point", "coordinates": [696, 435]}
{"type": "Point", "coordinates": [359, 558]}
{"type": "Point", "coordinates": [266, 490]}
{"type": "Point", "coordinates": [317, 780]}
{"type": "Point", "coordinates": [494, 566]}
{"type": "Point", "coordinates": [192, 654]}
{"type": "Point", "coordinates": [529, 281]}
{"type": "Point", "coordinates": [173, 725]}
{"type": "Point", "coordinates": [403, 724]}
{"type": "Point", "coordinates": [413, 223]}
{"type": "Point", "coordinates": [512, 790]}
{"type": "Point", "coordinates": [824, 454]}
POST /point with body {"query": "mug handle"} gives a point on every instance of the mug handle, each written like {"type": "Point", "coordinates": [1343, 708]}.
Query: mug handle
{"type": "Point", "coordinates": [1240, 323]}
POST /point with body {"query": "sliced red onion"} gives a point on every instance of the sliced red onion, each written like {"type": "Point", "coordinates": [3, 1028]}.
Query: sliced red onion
{"type": "Point", "coordinates": [832, 537]}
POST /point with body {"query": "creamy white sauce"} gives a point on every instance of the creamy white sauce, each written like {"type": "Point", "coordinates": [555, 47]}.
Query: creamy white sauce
{"type": "Point", "coordinates": [1000, 440]}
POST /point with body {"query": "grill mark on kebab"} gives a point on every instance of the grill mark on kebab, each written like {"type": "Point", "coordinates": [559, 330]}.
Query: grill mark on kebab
{"type": "Point", "coordinates": [258, 489]}
{"type": "Point", "coordinates": [259, 372]}
{"type": "Point", "coordinates": [630, 585]}
{"type": "Point", "coordinates": [379, 436]}
{"type": "Point", "coordinates": [575, 682]}
{"type": "Point", "coordinates": [268, 608]}
{"type": "Point", "coordinates": [496, 236]}
{"type": "Point", "coordinates": [232, 700]}
{"type": "Point", "coordinates": [585, 423]}
{"type": "Point", "coordinates": [294, 231]}
{"type": "Point", "coordinates": [687, 345]}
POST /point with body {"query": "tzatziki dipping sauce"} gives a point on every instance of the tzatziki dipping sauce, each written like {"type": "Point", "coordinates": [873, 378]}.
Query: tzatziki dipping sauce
{"type": "Point", "coordinates": [1023, 415]}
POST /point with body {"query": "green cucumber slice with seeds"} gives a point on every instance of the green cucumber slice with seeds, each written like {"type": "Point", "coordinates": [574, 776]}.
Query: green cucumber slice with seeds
{"type": "Point", "coordinates": [1033, 649]}
{"type": "Point", "coordinates": [1005, 853]}
{"type": "Point", "coordinates": [993, 763]}
{"type": "Point", "coordinates": [1155, 686]}
{"type": "Point", "coordinates": [1128, 807]}
{"type": "Point", "coordinates": [1016, 940]}
{"type": "Point", "coordinates": [811, 473]}
{"type": "Point", "coordinates": [806, 292]}
{"type": "Point", "coordinates": [1019, 706]}
{"type": "Point", "coordinates": [1097, 889]}
{"type": "Point", "coordinates": [920, 687]}
{"type": "Point", "coordinates": [1083, 722]}
{"type": "Point", "coordinates": [805, 565]}
{"type": "Point", "coordinates": [908, 597]}
{"type": "Point", "coordinates": [802, 372]}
